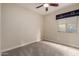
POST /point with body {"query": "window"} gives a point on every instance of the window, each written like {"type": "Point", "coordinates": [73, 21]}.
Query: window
{"type": "Point", "coordinates": [67, 24]}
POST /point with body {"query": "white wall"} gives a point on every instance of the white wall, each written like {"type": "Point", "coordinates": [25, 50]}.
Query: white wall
{"type": "Point", "coordinates": [0, 28]}
{"type": "Point", "coordinates": [51, 33]}
{"type": "Point", "coordinates": [20, 26]}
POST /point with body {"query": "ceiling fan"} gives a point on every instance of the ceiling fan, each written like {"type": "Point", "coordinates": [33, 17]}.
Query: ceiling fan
{"type": "Point", "coordinates": [46, 5]}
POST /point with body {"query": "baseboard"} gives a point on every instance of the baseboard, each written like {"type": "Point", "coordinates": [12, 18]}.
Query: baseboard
{"type": "Point", "coordinates": [62, 44]}
{"type": "Point", "coordinates": [19, 46]}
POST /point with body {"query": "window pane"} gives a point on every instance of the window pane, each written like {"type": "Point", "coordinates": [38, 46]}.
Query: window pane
{"type": "Point", "coordinates": [62, 27]}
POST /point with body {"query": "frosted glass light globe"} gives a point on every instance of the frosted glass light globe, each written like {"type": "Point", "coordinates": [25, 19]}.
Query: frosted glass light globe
{"type": "Point", "coordinates": [46, 5]}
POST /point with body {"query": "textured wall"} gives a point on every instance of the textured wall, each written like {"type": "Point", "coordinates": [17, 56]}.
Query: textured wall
{"type": "Point", "coordinates": [0, 28]}
{"type": "Point", "coordinates": [51, 34]}
{"type": "Point", "coordinates": [20, 26]}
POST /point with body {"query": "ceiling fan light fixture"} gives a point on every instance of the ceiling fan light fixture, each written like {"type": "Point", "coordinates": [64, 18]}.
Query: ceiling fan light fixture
{"type": "Point", "coordinates": [46, 5]}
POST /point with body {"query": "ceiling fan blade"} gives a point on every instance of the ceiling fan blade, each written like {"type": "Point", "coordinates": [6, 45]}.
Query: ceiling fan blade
{"type": "Point", "coordinates": [54, 4]}
{"type": "Point", "coordinates": [46, 8]}
{"type": "Point", "coordinates": [39, 6]}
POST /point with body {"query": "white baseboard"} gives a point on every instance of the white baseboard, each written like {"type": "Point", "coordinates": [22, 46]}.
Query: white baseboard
{"type": "Point", "coordinates": [19, 46]}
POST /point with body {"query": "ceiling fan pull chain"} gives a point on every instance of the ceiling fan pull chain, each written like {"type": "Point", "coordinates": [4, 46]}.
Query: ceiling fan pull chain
{"type": "Point", "coordinates": [46, 8]}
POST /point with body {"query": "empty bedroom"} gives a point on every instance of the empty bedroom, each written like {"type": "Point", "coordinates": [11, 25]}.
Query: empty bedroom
{"type": "Point", "coordinates": [39, 29]}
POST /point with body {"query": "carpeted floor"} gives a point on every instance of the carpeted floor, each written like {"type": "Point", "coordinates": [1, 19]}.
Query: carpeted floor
{"type": "Point", "coordinates": [42, 48]}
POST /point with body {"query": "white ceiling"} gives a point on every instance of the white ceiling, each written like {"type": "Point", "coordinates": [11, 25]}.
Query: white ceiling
{"type": "Point", "coordinates": [41, 10]}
